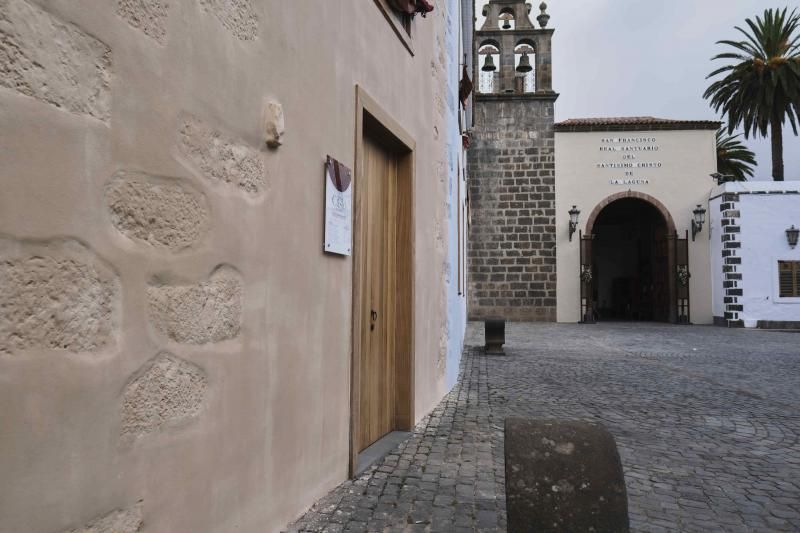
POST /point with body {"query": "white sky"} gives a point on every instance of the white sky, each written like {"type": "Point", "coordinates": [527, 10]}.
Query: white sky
{"type": "Point", "coordinates": [648, 57]}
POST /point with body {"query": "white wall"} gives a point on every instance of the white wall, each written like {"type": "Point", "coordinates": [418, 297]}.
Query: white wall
{"type": "Point", "coordinates": [766, 212]}
{"type": "Point", "coordinates": [456, 170]}
{"type": "Point", "coordinates": [687, 159]}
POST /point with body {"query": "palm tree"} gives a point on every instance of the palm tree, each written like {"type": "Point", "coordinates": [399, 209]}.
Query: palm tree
{"type": "Point", "coordinates": [733, 157]}
{"type": "Point", "coordinates": [761, 89]}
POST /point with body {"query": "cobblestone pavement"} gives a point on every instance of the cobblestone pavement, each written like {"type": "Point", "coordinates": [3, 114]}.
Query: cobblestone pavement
{"type": "Point", "coordinates": [707, 422]}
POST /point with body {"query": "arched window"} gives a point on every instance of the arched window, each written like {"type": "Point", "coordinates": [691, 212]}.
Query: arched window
{"type": "Point", "coordinates": [506, 19]}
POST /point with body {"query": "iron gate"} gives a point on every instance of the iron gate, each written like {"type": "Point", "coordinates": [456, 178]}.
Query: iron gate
{"type": "Point", "coordinates": [682, 275]}
{"type": "Point", "coordinates": [586, 273]}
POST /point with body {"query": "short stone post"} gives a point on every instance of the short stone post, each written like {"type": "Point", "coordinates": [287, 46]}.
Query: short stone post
{"type": "Point", "coordinates": [563, 476]}
{"type": "Point", "coordinates": [495, 335]}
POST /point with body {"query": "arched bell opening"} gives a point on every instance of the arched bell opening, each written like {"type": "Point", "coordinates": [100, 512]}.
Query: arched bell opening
{"type": "Point", "coordinates": [506, 20]}
{"type": "Point", "coordinates": [525, 67]}
{"type": "Point", "coordinates": [632, 250]}
{"type": "Point", "coordinates": [489, 65]}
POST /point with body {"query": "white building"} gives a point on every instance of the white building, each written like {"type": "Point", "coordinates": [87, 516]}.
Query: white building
{"type": "Point", "coordinates": [755, 269]}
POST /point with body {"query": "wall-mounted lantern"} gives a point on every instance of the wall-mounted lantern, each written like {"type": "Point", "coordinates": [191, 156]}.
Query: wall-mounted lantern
{"type": "Point", "coordinates": [574, 213]}
{"type": "Point", "coordinates": [791, 236]}
{"type": "Point", "coordinates": [698, 220]}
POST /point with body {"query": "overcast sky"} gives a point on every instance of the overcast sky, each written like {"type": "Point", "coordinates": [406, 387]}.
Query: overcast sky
{"type": "Point", "coordinates": [648, 57]}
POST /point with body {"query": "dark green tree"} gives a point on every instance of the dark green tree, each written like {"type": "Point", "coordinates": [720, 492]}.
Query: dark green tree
{"type": "Point", "coordinates": [733, 157]}
{"type": "Point", "coordinates": [760, 89]}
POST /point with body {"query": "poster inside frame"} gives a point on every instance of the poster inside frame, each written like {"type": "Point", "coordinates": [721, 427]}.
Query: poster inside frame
{"type": "Point", "coordinates": [338, 208]}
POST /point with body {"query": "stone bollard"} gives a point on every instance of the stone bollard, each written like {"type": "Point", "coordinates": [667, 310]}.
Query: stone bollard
{"type": "Point", "coordinates": [563, 476]}
{"type": "Point", "coordinates": [495, 335]}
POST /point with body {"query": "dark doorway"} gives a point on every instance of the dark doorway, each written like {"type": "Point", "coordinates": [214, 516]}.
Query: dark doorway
{"type": "Point", "coordinates": [631, 262]}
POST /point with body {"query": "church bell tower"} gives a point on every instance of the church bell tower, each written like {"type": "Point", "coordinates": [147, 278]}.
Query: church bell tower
{"type": "Point", "coordinates": [512, 255]}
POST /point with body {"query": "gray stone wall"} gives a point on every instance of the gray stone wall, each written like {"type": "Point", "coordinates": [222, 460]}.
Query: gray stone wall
{"type": "Point", "coordinates": [512, 246]}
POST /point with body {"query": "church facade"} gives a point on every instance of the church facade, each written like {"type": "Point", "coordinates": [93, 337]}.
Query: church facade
{"type": "Point", "coordinates": [628, 193]}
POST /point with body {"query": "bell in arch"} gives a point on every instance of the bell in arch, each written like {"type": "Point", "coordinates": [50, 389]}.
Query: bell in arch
{"type": "Point", "coordinates": [524, 63]}
{"type": "Point", "coordinates": [507, 25]}
{"type": "Point", "coordinates": [488, 65]}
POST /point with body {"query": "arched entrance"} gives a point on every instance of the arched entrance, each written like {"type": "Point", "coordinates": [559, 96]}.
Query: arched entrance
{"type": "Point", "coordinates": [631, 251]}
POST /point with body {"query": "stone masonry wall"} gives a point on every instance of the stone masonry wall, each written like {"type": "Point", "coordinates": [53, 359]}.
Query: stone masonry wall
{"type": "Point", "coordinates": [512, 245]}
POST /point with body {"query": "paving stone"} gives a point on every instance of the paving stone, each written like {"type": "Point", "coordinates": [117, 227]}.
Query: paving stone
{"type": "Point", "coordinates": [705, 419]}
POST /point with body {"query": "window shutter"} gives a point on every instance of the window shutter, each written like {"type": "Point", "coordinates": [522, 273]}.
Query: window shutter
{"type": "Point", "coordinates": [789, 279]}
{"type": "Point", "coordinates": [796, 291]}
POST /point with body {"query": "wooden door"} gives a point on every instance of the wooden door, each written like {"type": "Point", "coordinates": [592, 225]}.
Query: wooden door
{"type": "Point", "coordinates": [377, 363]}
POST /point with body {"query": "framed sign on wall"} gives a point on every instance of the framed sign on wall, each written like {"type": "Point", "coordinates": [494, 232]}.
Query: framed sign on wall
{"type": "Point", "coordinates": [338, 208]}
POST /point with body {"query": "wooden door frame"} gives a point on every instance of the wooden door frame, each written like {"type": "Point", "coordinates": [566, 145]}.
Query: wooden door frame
{"type": "Point", "coordinates": [373, 120]}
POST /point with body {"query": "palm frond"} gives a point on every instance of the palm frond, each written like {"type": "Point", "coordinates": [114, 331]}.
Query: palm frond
{"type": "Point", "coordinates": [758, 87]}
{"type": "Point", "coordinates": [733, 157]}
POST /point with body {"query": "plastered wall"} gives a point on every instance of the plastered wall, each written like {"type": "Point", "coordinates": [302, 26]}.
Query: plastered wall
{"type": "Point", "coordinates": [174, 346]}
{"type": "Point", "coordinates": [687, 157]}
{"type": "Point", "coordinates": [762, 212]}
{"type": "Point", "coordinates": [458, 22]}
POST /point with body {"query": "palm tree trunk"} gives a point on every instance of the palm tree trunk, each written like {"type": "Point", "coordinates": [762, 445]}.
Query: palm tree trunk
{"type": "Point", "coordinates": [777, 149]}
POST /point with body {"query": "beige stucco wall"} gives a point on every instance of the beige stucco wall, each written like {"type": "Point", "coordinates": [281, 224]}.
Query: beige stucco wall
{"type": "Point", "coordinates": [682, 182]}
{"type": "Point", "coordinates": [208, 252]}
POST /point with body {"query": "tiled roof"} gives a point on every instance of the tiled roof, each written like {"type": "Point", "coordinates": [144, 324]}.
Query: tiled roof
{"type": "Point", "coordinates": [634, 123]}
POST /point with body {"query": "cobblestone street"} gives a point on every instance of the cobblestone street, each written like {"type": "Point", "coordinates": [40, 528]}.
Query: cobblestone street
{"type": "Point", "coordinates": [706, 419]}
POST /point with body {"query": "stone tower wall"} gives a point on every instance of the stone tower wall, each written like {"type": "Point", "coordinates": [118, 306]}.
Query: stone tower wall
{"type": "Point", "coordinates": [512, 252]}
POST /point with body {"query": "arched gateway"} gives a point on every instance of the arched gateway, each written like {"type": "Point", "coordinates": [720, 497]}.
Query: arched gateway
{"type": "Point", "coordinates": [630, 257]}
{"type": "Point", "coordinates": [590, 222]}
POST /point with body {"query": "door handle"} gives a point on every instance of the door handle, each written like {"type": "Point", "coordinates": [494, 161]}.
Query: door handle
{"type": "Point", "coordinates": [374, 316]}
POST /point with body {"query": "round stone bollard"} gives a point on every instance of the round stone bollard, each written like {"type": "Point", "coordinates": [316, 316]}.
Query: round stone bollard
{"type": "Point", "coordinates": [563, 476]}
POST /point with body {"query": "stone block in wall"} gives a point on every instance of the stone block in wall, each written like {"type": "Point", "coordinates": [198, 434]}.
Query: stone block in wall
{"type": "Point", "coordinates": [201, 313]}
{"type": "Point", "coordinates": [118, 521]}
{"type": "Point", "coordinates": [165, 213]}
{"type": "Point", "coordinates": [220, 157]}
{"type": "Point", "coordinates": [56, 295]}
{"type": "Point", "coordinates": [53, 61]}
{"type": "Point", "coordinates": [236, 16]}
{"type": "Point", "coordinates": [147, 16]}
{"type": "Point", "coordinates": [165, 392]}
